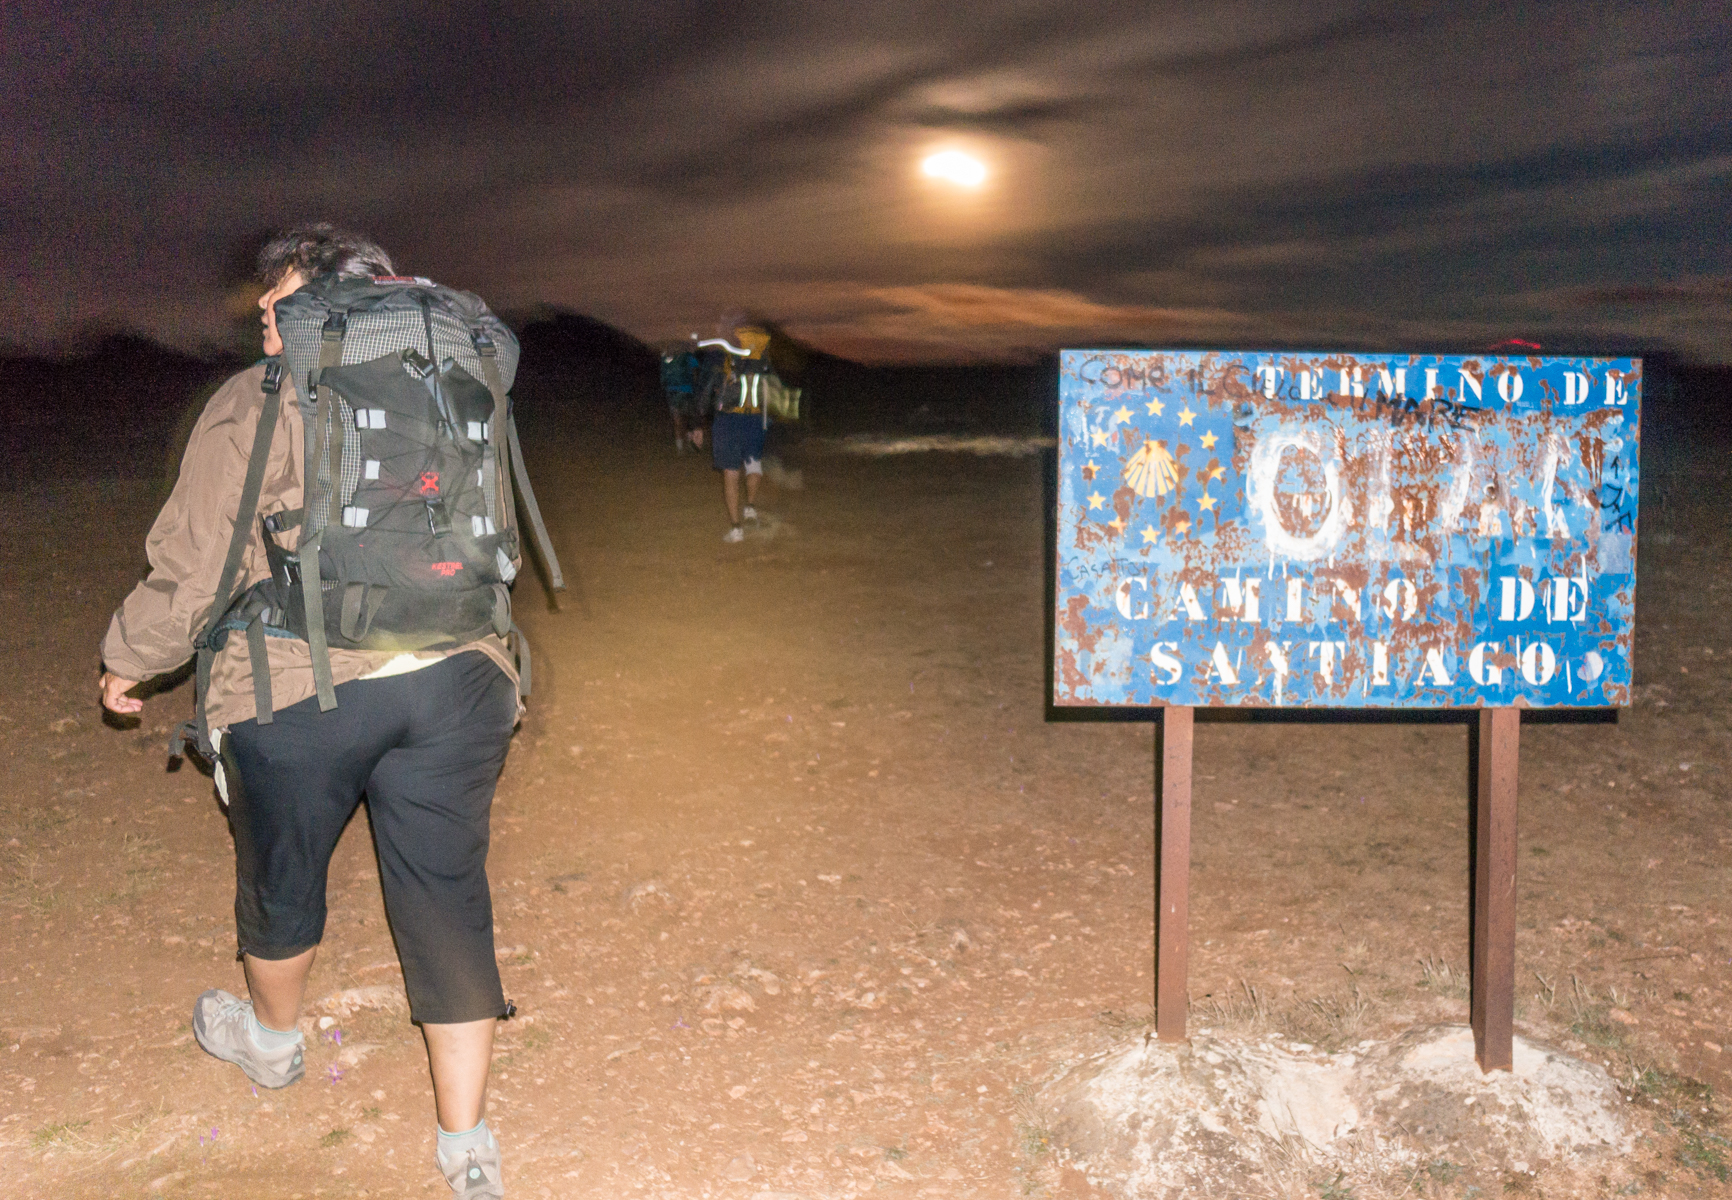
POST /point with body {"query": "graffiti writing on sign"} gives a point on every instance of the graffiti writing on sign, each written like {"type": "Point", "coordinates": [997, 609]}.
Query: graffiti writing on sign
{"type": "Point", "coordinates": [1239, 528]}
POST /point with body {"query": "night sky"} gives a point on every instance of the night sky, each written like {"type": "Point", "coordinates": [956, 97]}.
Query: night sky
{"type": "Point", "coordinates": [1363, 174]}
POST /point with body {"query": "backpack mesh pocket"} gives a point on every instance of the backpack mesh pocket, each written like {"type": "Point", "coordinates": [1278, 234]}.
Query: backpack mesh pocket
{"type": "Point", "coordinates": [348, 471]}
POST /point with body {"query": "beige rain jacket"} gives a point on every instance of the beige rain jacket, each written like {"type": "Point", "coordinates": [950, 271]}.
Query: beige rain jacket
{"type": "Point", "coordinates": [153, 631]}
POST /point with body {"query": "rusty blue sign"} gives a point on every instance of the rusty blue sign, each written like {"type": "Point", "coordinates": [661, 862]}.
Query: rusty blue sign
{"type": "Point", "coordinates": [1334, 530]}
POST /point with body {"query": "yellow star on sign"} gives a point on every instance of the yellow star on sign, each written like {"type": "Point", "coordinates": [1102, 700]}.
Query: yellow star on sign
{"type": "Point", "coordinates": [1181, 525]}
{"type": "Point", "coordinates": [1186, 416]}
{"type": "Point", "coordinates": [1155, 408]}
{"type": "Point", "coordinates": [1205, 502]}
{"type": "Point", "coordinates": [1096, 500]}
{"type": "Point", "coordinates": [1218, 473]}
{"type": "Point", "coordinates": [1090, 470]}
{"type": "Point", "coordinates": [1149, 534]}
{"type": "Point", "coordinates": [1209, 441]}
{"type": "Point", "coordinates": [1123, 415]}
{"type": "Point", "coordinates": [1102, 437]}
{"type": "Point", "coordinates": [1118, 524]}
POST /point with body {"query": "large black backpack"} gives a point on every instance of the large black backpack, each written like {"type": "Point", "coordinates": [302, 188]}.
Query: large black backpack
{"type": "Point", "coordinates": [408, 532]}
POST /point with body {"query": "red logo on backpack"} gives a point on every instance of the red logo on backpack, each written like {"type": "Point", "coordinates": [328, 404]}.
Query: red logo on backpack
{"type": "Point", "coordinates": [429, 483]}
{"type": "Point", "coordinates": [448, 569]}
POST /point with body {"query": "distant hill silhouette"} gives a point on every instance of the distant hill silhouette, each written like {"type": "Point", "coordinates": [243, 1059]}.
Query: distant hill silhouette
{"type": "Point", "coordinates": [124, 405]}
{"type": "Point", "coordinates": [113, 360]}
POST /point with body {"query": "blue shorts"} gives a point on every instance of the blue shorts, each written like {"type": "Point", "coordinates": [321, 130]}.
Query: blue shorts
{"type": "Point", "coordinates": [737, 442]}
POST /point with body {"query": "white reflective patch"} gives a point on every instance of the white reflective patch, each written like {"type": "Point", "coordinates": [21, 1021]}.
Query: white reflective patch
{"type": "Point", "coordinates": [478, 479]}
{"type": "Point", "coordinates": [372, 469]}
{"type": "Point", "coordinates": [216, 768]}
{"type": "Point", "coordinates": [477, 526]}
{"type": "Point", "coordinates": [507, 569]}
{"type": "Point", "coordinates": [354, 518]}
{"type": "Point", "coordinates": [490, 528]}
{"type": "Point", "coordinates": [375, 419]}
{"type": "Point", "coordinates": [477, 431]}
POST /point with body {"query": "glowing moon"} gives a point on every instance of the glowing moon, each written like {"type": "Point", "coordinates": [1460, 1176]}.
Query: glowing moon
{"type": "Point", "coordinates": [953, 166]}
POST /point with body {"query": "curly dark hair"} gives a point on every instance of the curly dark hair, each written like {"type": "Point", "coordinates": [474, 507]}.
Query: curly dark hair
{"type": "Point", "coordinates": [321, 248]}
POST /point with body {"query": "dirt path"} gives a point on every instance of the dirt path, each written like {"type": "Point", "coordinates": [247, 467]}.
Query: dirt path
{"type": "Point", "coordinates": [799, 895]}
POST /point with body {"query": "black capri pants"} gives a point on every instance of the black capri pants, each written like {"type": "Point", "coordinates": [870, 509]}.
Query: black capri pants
{"type": "Point", "coordinates": [426, 748]}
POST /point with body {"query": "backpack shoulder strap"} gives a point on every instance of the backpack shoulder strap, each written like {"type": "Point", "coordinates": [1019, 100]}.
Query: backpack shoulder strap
{"type": "Point", "coordinates": [271, 384]}
{"type": "Point", "coordinates": [238, 537]}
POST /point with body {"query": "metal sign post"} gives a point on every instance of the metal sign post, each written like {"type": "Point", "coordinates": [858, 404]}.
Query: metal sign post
{"type": "Point", "coordinates": [1172, 870]}
{"type": "Point", "coordinates": [1291, 530]}
{"type": "Point", "coordinates": [1494, 740]}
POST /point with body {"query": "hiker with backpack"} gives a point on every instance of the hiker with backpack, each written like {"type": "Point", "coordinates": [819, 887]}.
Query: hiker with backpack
{"type": "Point", "coordinates": [735, 386]}
{"type": "Point", "coordinates": [679, 374]}
{"type": "Point", "coordinates": [337, 555]}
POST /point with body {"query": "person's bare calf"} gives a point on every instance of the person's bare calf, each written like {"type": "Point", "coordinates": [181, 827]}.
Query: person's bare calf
{"type": "Point", "coordinates": [458, 1057]}
{"type": "Point", "coordinates": [731, 493]}
{"type": "Point", "coordinates": [277, 987]}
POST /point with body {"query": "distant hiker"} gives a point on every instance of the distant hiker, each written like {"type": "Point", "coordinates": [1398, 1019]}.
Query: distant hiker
{"type": "Point", "coordinates": [680, 386]}
{"type": "Point", "coordinates": [351, 637]}
{"type": "Point", "coordinates": [735, 385]}
{"type": "Point", "coordinates": [712, 374]}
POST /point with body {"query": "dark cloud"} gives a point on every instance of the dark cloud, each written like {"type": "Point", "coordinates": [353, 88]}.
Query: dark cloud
{"type": "Point", "coordinates": [1324, 171]}
{"type": "Point", "coordinates": [1025, 118]}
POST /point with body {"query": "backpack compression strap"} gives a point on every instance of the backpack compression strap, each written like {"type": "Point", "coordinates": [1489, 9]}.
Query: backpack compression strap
{"type": "Point", "coordinates": [327, 416]}
{"type": "Point", "coordinates": [542, 541]}
{"type": "Point", "coordinates": [199, 729]}
{"type": "Point", "coordinates": [503, 417]}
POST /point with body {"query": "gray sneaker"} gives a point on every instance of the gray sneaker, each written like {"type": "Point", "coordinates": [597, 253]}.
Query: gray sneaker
{"type": "Point", "coordinates": [474, 1174]}
{"type": "Point", "coordinates": [221, 1023]}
